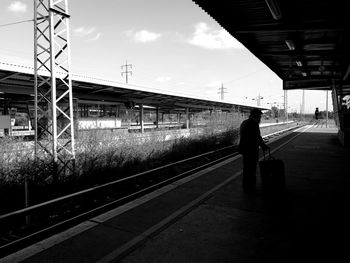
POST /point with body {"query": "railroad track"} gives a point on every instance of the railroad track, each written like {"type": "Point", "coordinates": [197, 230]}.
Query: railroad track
{"type": "Point", "coordinates": [27, 226]}
{"type": "Point", "coordinates": [276, 135]}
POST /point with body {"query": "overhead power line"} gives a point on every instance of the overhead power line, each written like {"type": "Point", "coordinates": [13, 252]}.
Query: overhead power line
{"type": "Point", "coordinates": [15, 23]}
{"type": "Point", "coordinates": [245, 76]}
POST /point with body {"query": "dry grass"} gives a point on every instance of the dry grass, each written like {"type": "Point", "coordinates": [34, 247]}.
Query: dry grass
{"type": "Point", "coordinates": [114, 155]}
{"type": "Point", "coordinates": [97, 152]}
{"type": "Point", "coordinates": [102, 157]}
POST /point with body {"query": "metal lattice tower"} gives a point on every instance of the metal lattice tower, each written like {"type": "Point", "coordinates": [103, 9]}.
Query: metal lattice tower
{"type": "Point", "coordinates": [127, 71]}
{"type": "Point", "coordinates": [222, 91]}
{"type": "Point", "coordinates": [54, 127]}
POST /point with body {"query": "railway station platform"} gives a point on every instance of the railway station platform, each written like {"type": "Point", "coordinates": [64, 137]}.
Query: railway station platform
{"type": "Point", "coordinates": [207, 218]}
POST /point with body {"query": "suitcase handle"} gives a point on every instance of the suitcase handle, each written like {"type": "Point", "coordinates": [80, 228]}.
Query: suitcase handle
{"type": "Point", "coordinates": [269, 156]}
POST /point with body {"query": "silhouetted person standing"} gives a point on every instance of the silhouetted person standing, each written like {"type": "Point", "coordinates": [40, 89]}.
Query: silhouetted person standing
{"type": "Point", "coordinates": [250, 140]}
{"type": "Point", "coordinates": [317, 113]}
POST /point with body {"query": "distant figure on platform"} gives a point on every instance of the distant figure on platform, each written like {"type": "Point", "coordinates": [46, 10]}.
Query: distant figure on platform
{"type": "Point", "coordinates": [250, 140]}
{"type": "Point", "coordinates": [317, 113]}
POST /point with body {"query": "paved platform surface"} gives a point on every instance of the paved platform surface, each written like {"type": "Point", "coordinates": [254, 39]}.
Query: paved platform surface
{"type": "Point", "coordinates": [209, 219]}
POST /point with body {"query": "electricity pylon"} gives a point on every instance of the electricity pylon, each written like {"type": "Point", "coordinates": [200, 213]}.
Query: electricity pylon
{"type": "Point", "coordinates": [127, 71]}
{"type": "Point", "coordinates": [54, 126]}
{"type": "Point", "coordinates": [222, 92]}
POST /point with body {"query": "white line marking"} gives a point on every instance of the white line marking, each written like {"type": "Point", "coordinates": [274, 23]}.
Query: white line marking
{"type": "Point", "coordinates": [60, 237]}
{"type": "Point", "coordinates": [69, 233]}
{"type": "Point", "coordinates": [165, 222]}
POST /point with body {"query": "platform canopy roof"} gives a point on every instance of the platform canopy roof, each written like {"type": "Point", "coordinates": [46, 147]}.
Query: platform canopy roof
{"type": "Point", "coordinates": [305, 42]}
{"type": "Point", "coordinates": [19, 80]}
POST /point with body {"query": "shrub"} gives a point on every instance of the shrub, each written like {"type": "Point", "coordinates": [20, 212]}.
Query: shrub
{"type": "Point", "coordinates": [100, 158]}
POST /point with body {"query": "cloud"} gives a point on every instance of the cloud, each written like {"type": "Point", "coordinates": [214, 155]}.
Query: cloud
{"type": "Point", "coordinates": [97, 37]}
{"type": "Point", "coordinates": [143, 36]}
{"type": "Point", "coordinates": [88, 32]}
{"type": "Point", "coordinates": [163, 79]}
{"type": "Point", "coordinates": [82, 31]}
{"type": "Point", "coordinates": [208, 38]}
{"type": "Point", "coordinates": [17, 7]}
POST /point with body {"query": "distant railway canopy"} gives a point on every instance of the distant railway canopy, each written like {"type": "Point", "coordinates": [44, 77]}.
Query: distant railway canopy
{"type": "Point", "coordinates": [20, 81]}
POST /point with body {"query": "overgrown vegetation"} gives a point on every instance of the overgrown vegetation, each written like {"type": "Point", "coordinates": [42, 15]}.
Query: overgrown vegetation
{"type": "Point", "coordinates": [104, 157]}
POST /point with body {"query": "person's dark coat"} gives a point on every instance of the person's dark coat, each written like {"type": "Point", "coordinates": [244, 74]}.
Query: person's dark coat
{"type": "Point", "coordinates": [250, 138]}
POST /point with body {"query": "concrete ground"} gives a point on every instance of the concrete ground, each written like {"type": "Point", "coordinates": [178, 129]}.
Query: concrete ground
{"type": "Point", "coordinates": [207, 218]}
{"type": "Point", "coordinates": [310, 223]}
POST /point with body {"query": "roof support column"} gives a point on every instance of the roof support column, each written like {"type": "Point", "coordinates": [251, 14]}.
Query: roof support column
{"type": "Point", "coordinates": [285, 101]}
{"type": "Point", "coordinates": [6, 112]}
{"type": "Point", "coordinates": [157, 117]}
{"type": "Point", "coordinates": [141, 118]}
{"type": "Point", "coordinates": [326, 108]}
{"type": "Point", "coordinates": [341, 119]}
{"type": "Point", "coordinates": [187, 117]}
{"type": "Point", "coordinates": [336, 104]}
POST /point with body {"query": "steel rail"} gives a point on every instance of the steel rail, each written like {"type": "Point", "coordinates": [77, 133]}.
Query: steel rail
{"type": "Point", "coordinates": [33, 208]}
{"type": "Point", "coordinates": [113, 203]}
{"type": "Point", "coordinates": [278, 132]}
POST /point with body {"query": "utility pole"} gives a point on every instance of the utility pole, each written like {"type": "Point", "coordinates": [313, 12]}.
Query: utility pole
{"type": "Point", "coordinates": [222, 91]}
{"type": "Point", "coordinates": [326, 108]}
{"type": "Point", "coordinates": [286, 104]}
{"type": "Point", "coordinates": [258, 100]}
{"type": "Point", "coordinates": [54, 126]}
{"type": "Point", "coordinates": [302, 113]}
{"type": "Point", "coordinates": [127, 71]}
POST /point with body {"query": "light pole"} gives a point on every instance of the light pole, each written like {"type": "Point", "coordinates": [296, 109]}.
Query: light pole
{"type": "Point", "coordinates": [326, 108]}
{"type": "Point", "coordinates": [285, 99]}
{"type": "Point", "coordinates": [258, 100]}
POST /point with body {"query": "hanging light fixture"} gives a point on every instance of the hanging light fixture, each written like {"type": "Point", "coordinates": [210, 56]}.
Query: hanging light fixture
{"type": "Point", "coordinates": [274, 9]}
{"type": "Point", "coordinates": [290, 44]}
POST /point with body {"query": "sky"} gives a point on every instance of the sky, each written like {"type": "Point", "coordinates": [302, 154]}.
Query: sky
{"type": "Point", "coordinates": [173, 46]}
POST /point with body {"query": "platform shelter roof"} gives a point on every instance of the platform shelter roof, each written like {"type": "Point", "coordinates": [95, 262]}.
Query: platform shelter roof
{"type": "Point", "coordinates": [305, 42]}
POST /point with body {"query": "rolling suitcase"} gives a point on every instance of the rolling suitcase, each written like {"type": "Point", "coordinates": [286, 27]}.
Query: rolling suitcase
{"type": "Point", "coordinates": [272, 175]}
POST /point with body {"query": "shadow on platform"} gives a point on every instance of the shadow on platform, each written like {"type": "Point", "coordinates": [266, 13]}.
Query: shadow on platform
{"type": "Point", "coordinates": [308, 223]}
{"type": "Point", "coordinates": [208, 219]}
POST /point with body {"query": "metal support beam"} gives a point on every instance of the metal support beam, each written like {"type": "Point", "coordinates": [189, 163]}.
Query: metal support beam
{"type": "Point", "coordinates": [285, 102]}
{"type": "Point", "coordinates": [6, 112]}
{"type": "Point", "coordinates": [187, 118]}
{"type": "Point", "coordinates": [326, 108]}
{"type": "Point", "coordinates": [346, 75]}
{"type": "Point", "coordinates": [157, 117]}
{"type": "Point", "coordinates": [277, 28]}
{"type": "Point", "coordinates": [298, 53]}
{"type": "Point", "coordinates": [54, 129]}
{"type": "Point", "coordinates": [142, 118]}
